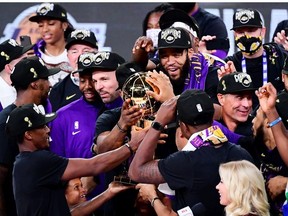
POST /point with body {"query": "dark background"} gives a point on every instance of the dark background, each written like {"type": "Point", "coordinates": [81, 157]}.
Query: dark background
{"type": "Point", "coordinates": [124, 20]}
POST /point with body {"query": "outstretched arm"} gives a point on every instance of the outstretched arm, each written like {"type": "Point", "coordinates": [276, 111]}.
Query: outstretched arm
{"type": "Point", "coordinates": [79, 167]}
{"type": "Point", "coordinates": [88, 207]}
{"type": "Point", "coordinates": [143, 167]}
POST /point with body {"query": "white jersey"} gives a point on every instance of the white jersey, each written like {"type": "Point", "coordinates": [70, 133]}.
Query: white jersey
{"type": "Point", "coordinates": [60, 61]}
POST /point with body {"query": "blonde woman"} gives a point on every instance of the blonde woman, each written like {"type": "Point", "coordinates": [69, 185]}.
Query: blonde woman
{"type": "Point", "coordinates": [242, 189]}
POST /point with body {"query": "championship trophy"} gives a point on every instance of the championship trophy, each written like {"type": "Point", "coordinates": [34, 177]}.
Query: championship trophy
{"type": "Point", "coordinates": [135, 88]}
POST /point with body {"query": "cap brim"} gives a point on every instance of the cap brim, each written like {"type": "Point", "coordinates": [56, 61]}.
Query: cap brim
{"type": "Point", "coordinates": [50, 117]}
{"type": "Point", "coordinates": [27, 48]}
{"type": "Point", "coordinates": [69, 44]}
{"type": "Point", "coordinates": [53, 71]}
{"type": "Point", "coordinates": [173, 47]}
{"type": "Point", "coordinates": [37, 18]}
{"type": "Point", "coordinates": [237, 91]}
{"type": "Point", "coordinates": [244, 26]}
{"type": "Point", "coordinates": [91, 69]}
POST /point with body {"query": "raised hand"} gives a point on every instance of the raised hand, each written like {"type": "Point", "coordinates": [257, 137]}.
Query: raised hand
{"type": "Point", "coordinates": [226, 69]}
{"type": "Point", "coordinates": [162, 87]}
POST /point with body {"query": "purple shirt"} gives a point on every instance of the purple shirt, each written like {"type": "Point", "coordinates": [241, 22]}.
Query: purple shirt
{"type": "Point", "coordinates": [73, 130]}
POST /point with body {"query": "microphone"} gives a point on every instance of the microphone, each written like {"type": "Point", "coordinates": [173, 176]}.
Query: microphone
{"type": "Point", "coordinates": [196, 210]}
{"type": "Point", "coordinates": [199, 209]}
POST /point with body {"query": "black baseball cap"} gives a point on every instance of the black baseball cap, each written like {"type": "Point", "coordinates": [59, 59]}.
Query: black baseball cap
{"type": "Point", "coordinates": [247, 18]}
{"type": "Point", "coordinates": [234, 83]}
{"type": "Point", "coordinates": [195, 107]}
{"type": "Point", "coordinates": [285, 67]}
{"type": "Point", "coordinates": [281, 106]}
{"type": "Point", "coordinates": [108, 61]}
{"type": "Point", "coordinates": [30, 69]}
{"type": "Point", "coordinates": [50, 11]}
{"type": "Point", "coordinates": [124, 71]}
{"type": "Point", "coordinates": [10, 50]}
{"type": "Point", "coordinates": [175, 17]}
{"type": "Point", "coordinates": [81, 36]}
{"type": "Point", "coordinates": [25, 118]}
{"type": "Point", "coordinates": [174, 38]}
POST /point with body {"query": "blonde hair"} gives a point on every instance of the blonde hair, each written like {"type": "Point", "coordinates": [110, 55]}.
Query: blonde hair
{"type": "Point", "coordinates": [245, 187]}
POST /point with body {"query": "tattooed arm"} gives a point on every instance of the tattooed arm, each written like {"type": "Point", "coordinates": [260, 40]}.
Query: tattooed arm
{"type": "Point", "coordinates": [143, 167]}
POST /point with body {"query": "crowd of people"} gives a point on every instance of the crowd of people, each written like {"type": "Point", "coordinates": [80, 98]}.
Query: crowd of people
{"type": "Point", "coordinates": [179, 128]}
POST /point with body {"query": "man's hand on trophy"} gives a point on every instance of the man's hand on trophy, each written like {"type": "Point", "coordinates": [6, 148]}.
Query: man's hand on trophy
{"type": "Point", "coordinates": [162, 87]}
{"type": "Point", "coordinates": [130, 115]}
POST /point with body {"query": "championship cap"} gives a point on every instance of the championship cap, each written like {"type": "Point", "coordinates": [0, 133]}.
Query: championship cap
{"type": "Point", "coordinates": [235, 82]}
{"type": "Point", "coordinates": [50, 11]}
{"type": "Point", "coordinates": [25, 118]}
{"type": "Point", "coordinates": [108, 61]}
{"type": "Point", "coordinates": [195, 107]}
{"type": "Point", "coordinates": [174, 38]}
{"type": "Point", "coordinates": [30, 69]}
{"type": "Point", "coordinates": [81, 36]}
{"type": "Point", "coordinates": [247, 18]}
{"type": "Point", "coordinates": [10, 50]}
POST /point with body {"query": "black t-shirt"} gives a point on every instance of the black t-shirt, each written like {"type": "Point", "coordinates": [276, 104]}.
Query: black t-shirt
{"type": "Point", "coordinates": [275, 61]}
{"type": "Point", "coordinates": [194, 175]}
{"type": "Point", "coordinates": [38, 188]}
{"type": "Point", "coordinates": [8, 151]}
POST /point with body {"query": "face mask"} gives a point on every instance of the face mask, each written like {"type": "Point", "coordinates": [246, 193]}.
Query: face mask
{"type": "Point", "coordinates": [249, 45]}
{"type": "Point", "coordinates": [153, 34]}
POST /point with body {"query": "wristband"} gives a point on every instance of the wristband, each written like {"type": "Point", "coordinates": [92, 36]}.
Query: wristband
{"type": "Point", "coordinates": [121, 129]}
{"type": "Point", "coordinates": [129, 147]}
{"type": "Point", "coordinates": [276, 121]}
{"type": "Point", "coordinates": [153, 200]}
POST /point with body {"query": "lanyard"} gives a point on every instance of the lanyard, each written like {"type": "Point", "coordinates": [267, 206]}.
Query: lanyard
{"type": "Point", "coordinates": [265, 66]}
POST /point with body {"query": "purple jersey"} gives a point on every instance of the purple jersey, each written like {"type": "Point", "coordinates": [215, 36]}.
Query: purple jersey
{"type": "Point", "coordinates": [73, 130]}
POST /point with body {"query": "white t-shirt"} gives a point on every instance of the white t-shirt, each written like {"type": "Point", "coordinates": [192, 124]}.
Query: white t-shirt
{"type": "Point", "coordinates": [7, 93]}
{"type": "Point", "coordinates": [60, 61]}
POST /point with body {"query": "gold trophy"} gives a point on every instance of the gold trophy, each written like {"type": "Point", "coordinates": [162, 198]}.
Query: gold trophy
{"type": "Point", "coordinates": [135, 88]}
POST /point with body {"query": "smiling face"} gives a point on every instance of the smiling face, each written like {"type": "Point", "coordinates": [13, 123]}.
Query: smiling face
{"type": "Point", "coordinates": [52, 31]}
{"type": "Point", "coordinates": [75, 193]}
{"type": "Point", "coordinates": [236, 107]}
{"type": "Point", "coordinates": [223, 192]}
{"type": "Point", "coordinates": [86, 87]}
{"type": "Point", "coordinates": [173, 61]}
{"type": "Point", "coordinates": [40, 137]}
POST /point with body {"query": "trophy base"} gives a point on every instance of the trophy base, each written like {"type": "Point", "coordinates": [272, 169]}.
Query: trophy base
{"type": "Point", "coordinates": [125, 180]}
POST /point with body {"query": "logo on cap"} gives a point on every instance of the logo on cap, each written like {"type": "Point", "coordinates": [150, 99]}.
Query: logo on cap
{"type": "Point", "coordinates": [244, 16]}
{"type": "Point", "coordinates": [13, 43]}
{"type": "Point", "coordinates": [170, 35]}
{"type": "Point", "coordinates": [45, 8]}
{"type": "Point", "coordinates": [100, 57]}
{"type": "Point", "coordinates": [243, 78]}
{"type": "Point", "coordinates": [80, 34]}
{"type": "Point", "coordinates": [87, 58]}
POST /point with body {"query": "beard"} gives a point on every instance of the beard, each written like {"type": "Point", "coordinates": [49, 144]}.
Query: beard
{"type": "Point", "coordinates": [178, 85]}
